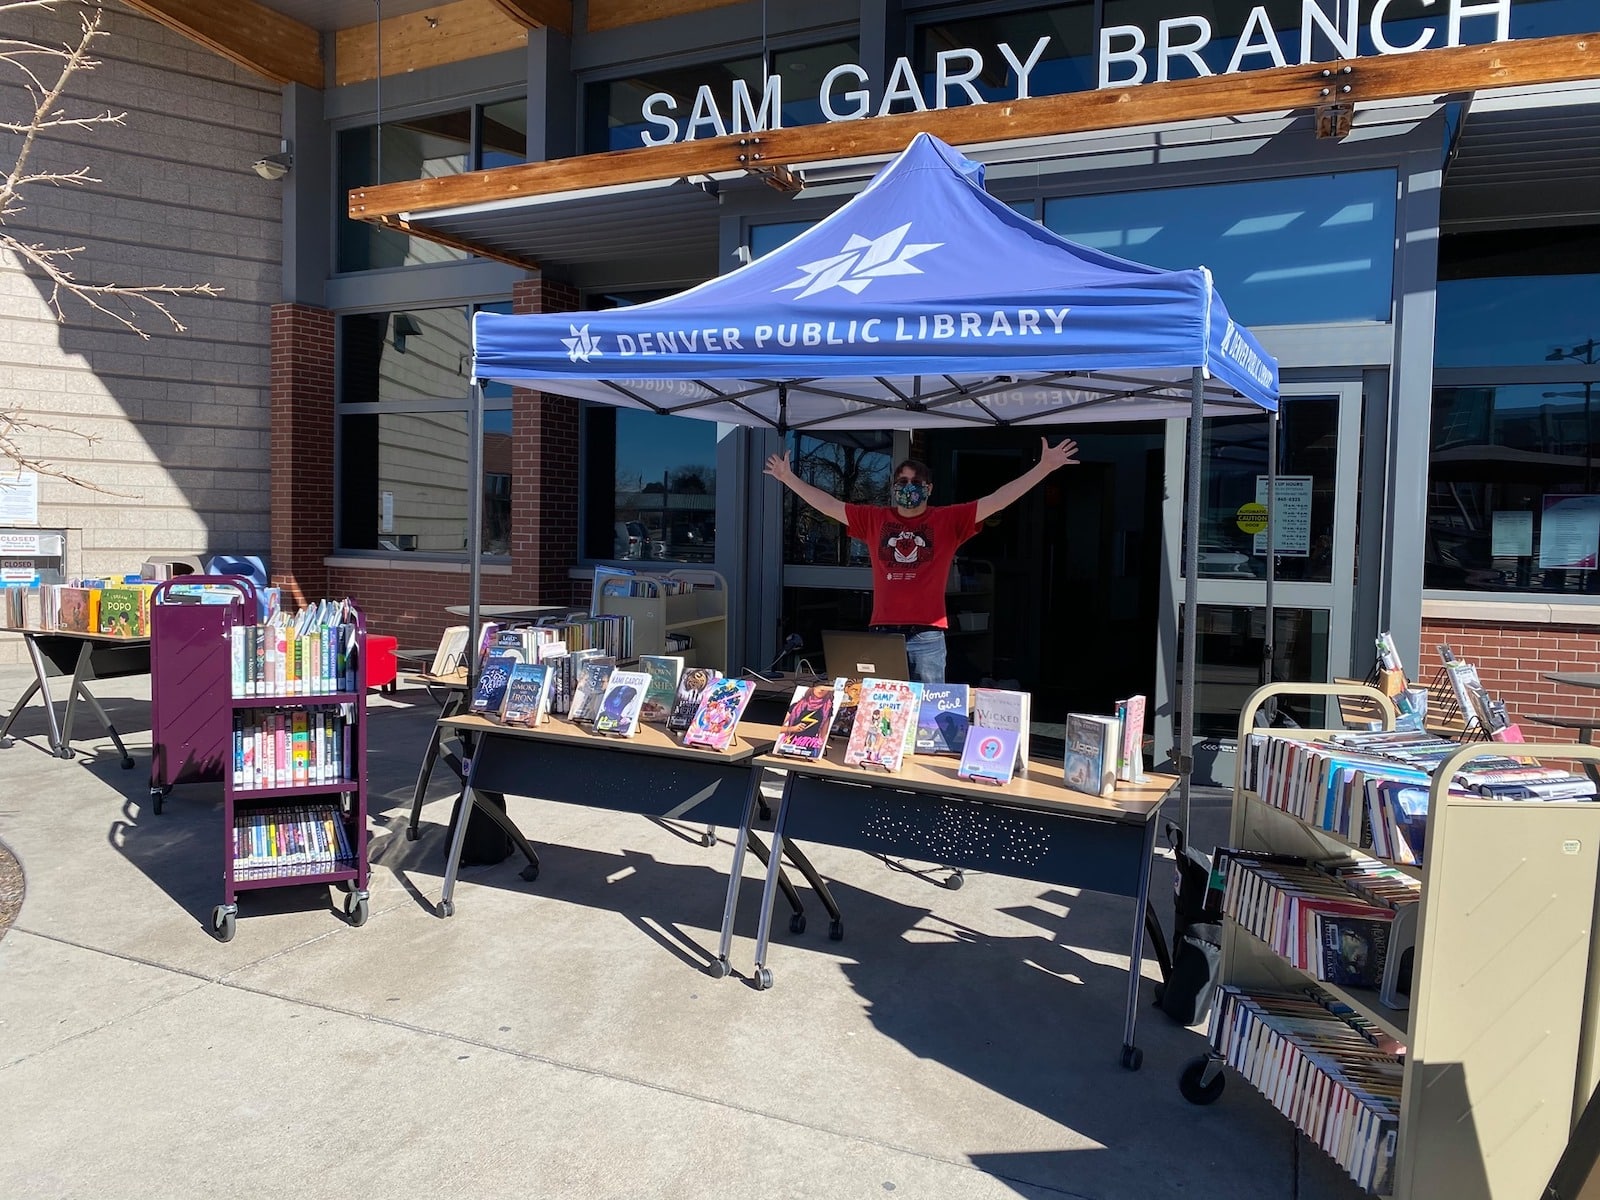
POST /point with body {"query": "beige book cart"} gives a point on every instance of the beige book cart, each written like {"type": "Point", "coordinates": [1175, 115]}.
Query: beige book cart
{"type": "Point", "coordinates": [1500, 1036]}
{"type": "Point", "coordinates": [701, 614]}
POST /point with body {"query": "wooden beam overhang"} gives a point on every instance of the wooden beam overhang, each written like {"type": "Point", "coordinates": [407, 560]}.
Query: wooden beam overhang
{"type": "Point", "coordinates": [401, 225]}
{"type": "Point", "coordinates": [539, 14]}
{"type": "Point", "coordinates": [246, 33]}
{"type": "Point", "coordinates": [1350, 81]}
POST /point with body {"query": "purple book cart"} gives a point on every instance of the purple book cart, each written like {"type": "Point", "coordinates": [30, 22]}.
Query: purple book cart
{"type": "Point", "coordinates": [191, 730]}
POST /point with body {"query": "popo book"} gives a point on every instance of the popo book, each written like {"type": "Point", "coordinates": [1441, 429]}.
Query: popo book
{"type": "Point", "coordinates": [1090, 762]}
{"type": "Point", "coordinates": [665, 671]}
{"type": "Point", "coordinates": [692, 687]}
{"type": "Point", "coordinates": [1130, 746]}
{"type": "Point", "coordinates": [590, 686]}
{"type": "Point", "coordinates": [804, 733]}
{"type": "Point", "coordinates": [718, 713]}
{"type": "Point", "coordinates": [878, 734]}
{"type": "Point", "coordinates": [989, 755]}
{"type": "Point", "coordinates": [125, 611]}
{"type": "Point", "coordinates": [527, 695]}
{"type": "Point", "coordinates": [490, 694]}
{"type": "Point", "coordinates": [622, 702]}
{"type": "Point", "coordinates": [994, 708]}
{"type": "Point", "coordinates": [942, 719]}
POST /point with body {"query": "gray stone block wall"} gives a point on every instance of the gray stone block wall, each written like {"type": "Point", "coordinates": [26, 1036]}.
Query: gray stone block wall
{"type": "Point", "coordinates": [174, 427]}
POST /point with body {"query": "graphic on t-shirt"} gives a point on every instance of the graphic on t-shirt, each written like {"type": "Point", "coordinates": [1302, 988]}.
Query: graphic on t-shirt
{"type": "Point", "coordinates": [906, 545]}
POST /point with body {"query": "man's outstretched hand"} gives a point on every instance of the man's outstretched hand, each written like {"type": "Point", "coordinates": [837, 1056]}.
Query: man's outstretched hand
{"type": "Point", "coordinates": [778, 467]}
{"type": "Point", "coordinates": [1063, 454]}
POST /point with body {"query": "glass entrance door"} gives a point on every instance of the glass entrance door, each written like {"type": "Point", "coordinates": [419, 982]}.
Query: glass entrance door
{"type": "Point", "coordinates": [1314, 518]}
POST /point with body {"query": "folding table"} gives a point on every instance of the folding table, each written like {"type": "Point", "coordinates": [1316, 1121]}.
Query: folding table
{"type": "Point", "coordinates": [57, 653]}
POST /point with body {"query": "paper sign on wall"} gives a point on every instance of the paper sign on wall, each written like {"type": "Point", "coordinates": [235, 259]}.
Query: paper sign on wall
{"type": "Point", "coordinates": [1569, 533]}
{"type": "Point", "coordinates": [1291, 516]}
{"type": "Point", "coordinates": [386, 517]}
{"type": "Point", "coordinates": [1511, 534]}
{"type": "Point", "coordinates": [19, 498]}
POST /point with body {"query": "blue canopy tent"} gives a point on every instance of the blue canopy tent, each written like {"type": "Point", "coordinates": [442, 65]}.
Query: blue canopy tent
{"type": "Point", "coordinates": [922, 303]}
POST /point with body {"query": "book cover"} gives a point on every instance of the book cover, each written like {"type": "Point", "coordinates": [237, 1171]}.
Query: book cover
{"type": "Point", "coordinates": [942, 720]}
{"type": "Point", "coordinates": [718, 713]}
{"type": "Point", "coordinates": [878, 734]}
{"type": "Point", "coordinates": [1354, 949]}
{"type": "Point", "coordinates": [1130, 749]}
{"type": "Point", "coordinates": [79, 610]}
{"type": "Point", "coordinates": [995, 708]}
{"type": "Point", "coordinates": [1090, 762]}
{"type": "Point", "coordinates": [989, 755]}
{"type": "Point", "coordinates": [512, 642]}
{"type": "Point", "coordinates": [590, 686]}
{"type": "Point", "coordinates": [691, 689]}
{"type": "Point", "coordinates": [452, 650]}
{"type": "Point", "coordinates": [490, 694]}
{"type": "Point", "coordinates": [804, 733]}
{"type": "Point", "coordinates": [665, 671]}
{"type": "Point", "coordinates": [621, 703]}
{"type": "Point", "coordinates": [846, 695]}
{"type": "Point", "coordinates": [125, 611]}
{"type": "Point", "coordinates": [527, 690]}
{"type": "Point", "coordinates": [913, 714]}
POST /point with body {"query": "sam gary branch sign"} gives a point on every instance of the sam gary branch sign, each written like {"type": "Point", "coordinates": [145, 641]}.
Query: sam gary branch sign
{"type": "Point", "coordinates": [1126, 55]}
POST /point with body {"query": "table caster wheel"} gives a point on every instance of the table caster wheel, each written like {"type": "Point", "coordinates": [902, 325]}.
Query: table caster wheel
{"type": "Point", "coordinates": [412, 833]}
{"type": "Point", "coordinates": [530, 872]}
{"type": "Point", "coordinates": [1132, 1057]}
{"type": "Point", "coordinates": [718, 968]}
{"type": "Point", "coordinates": [708, 839]}
{"type": "Point", "coordinates": [1192, 1082]}
{"type": "Point", "coordinates": [836, 930]}
{"type": "Point", "coordinates": [954, 880]}
{"type": "Point", "coordinates": [762, 978]}
{"type": "Point", "coordinates": [797, 922]}
{"type": "Point", "coordinates": [222, 923]}
{"type": "Point", "coordinates": [447, 908]}
{"type": "Point", "coordinates": [64, 752]}
{"type": "Point", "coordinates": [127, 764]}
{"type": "Point", "coordinates": [355, 910]}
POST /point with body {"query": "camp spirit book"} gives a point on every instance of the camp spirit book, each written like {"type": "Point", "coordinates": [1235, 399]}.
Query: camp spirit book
{"type": "Point", "coordinates": [994, 708]}
{"type": "Point", "coordinates": [878, 734]}
{"type": "Point", "coordinates": [692, 687]}
{"type": "Point", "coordinates": [1090, 762]}
{"type": "Point", "coordinates": [620, 704]}
{"type": "Point", "coordinates": [804, 733]}
{"type": "Point", "coordinates": [942, 719]}
{"type": "Point", "coordinates": [720, 708]}
{"type": "Point", "coordinates": [989, 755]}
{"type": "Point", "coordinates": [527, 695]}
{"type": "Point", "coordinates": [665, 671]}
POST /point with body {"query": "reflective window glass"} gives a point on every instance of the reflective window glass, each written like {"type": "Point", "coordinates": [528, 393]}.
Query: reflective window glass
{"type": "Point", "coordinates": [853, 466]}
{"type": "Point", "coordinates": [1282, 251]}
{"type": "Point", "coordinates": [415, 354]}
{"type": "Point", "coordinates": [1065, 64]}
{"type": "Point", "coordinates": [403, 482]}
{"type": "Point", "coordinates": [764, 239]}
{"type": "Point", "coordinates": [1516, 297]}
{"type": "Point", "coordinates": [1228, 659]}
{"type": "Point", "coordinates": [650, 486]}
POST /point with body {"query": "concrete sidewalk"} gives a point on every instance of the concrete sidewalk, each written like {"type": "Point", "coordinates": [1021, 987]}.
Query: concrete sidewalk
{"type": "Point", "coordinates": [559, 1038]}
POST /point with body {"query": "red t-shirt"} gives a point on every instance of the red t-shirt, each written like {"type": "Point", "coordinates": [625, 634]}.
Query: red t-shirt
{"type": "Point", "coordinates": [911, 558]}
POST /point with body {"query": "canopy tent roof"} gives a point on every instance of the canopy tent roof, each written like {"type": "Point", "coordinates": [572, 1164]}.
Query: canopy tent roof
{"type": "Point", "coordinates": [923, 302]}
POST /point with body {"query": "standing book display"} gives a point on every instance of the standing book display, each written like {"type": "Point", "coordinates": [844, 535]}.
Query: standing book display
{"type": "Point", "coordinates": [294, 800]}
{"type": "Point", "coordinates": [1471, 1088]}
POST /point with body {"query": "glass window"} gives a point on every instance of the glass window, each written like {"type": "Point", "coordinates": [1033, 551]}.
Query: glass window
{"type": "Point", "coordinates": [404, 391]}
{"type": "Point", "coordinates": [1066, 64]}
{"type": "Point", "coordinates": [1512, 297]}
{"type": "Point", "coordinates": [764, 239]}
{"type": "Point", "coordinates": [650, 486]}
{"type": "Point", "coordinates": [1228, 662]}
{"type": "Point", "coordinates": [852, 465]}
{"type": "Point", "coordinates": [1407, 22]}
{"type": "Point", "coordinates": [423, 147]}
{"type": "Point", "coordinates": [1513, 501]}
{"type": "Point", "coordinates": [1295, 251]}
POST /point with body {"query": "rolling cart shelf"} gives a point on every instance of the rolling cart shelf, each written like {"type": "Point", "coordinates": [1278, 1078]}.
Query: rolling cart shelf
{"type": "Point", "coordinates": [293, 701]}
{"type": "Point", "coordinates": [313, 873]}
{"type": "Point", "coordinates": [1393, 1021]}
{"type": "Point", "coordinates": [255, 796]}
{"type": "Point", "coordinates": [1336, 838]}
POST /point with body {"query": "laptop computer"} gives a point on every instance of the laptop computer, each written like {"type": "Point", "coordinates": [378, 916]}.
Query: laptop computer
{"type": "Point", "coordinates": [861, 654]}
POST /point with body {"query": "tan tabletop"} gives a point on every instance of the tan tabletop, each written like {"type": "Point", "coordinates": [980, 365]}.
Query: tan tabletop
{"type": "Point", "coordinates": [750, 738]}
{"type": "Point", "coordinates": [113, 638]}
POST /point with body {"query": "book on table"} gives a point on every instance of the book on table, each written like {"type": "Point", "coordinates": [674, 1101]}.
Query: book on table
{"type": "Point", "coordinates": [527, 695]}
{"type": "Point", "coordinates": [1130, 745]}
{"type": "Point", "coordinates": [489, 696]}
{"type": "Point", "coordinates": [989, 755]}
{"type": "Point", "coordinates": [878, 734]}
{"type": "Point", "coordinates": [452, 650]}
{"type": "Point", "coordinates": [804, 733]}
{"type": "Point", "coordinates": [665, 671]}
{"type": "Point", "coordinates": [621, 703]}
{"type": "Point", "coordinates": [942, 719]}
{"type": "Point", "coordinates": [997, 708]}
{"type": "Point", "coordinates": [1090, 762]}
{"type": "Point", "coordinates": [846, 695]}
{"type": "Point", "coordinates": [593, 673]}
{"type": "Point", "coordinates": [692, 687]}
{"type": "Point", "coordinates": [718, 713]}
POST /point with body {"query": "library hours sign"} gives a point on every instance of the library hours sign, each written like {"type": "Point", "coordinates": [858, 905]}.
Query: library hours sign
{"type": "Point", "coordinates": [1126, 55]}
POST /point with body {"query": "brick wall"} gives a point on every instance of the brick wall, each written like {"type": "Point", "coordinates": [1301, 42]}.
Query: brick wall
{"type": "Point", "coordinates": [302, 451]}
{"type": "Point", "coordinates": [410, 604]}
{"type": "Point", "coordinates": [1512, 659]}
{"type": "Point", "coordinates": [544, 488]}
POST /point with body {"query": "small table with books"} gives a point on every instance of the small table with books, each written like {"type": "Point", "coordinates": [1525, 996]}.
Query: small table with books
{"type": "Point", "coordinates": [60, 653]}
{"type": "Point", "coordinates": [649, 773]}
{"type": "Point", "coordinates": [1032, 827]}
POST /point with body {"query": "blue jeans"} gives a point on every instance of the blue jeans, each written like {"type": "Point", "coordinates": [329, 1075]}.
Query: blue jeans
{"type": "Point", "coordinates": [925, 655]}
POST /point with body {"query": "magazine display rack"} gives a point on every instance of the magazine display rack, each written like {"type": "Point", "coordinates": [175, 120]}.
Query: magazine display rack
{"type": "Point", "coordinates": [294, 818]}
{"type": "Point", "coordinates": [1501, 1052]}
{"type": "Point", "coordinates": [190, 732]}
{"type": "Point", "coordinates": [701, 614]}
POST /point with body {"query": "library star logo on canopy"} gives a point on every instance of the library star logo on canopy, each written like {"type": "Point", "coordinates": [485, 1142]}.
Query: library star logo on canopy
{"type": "Point", "coordinates": [860, 262]}
{"type": "Point", "coordinates": [580, 346]}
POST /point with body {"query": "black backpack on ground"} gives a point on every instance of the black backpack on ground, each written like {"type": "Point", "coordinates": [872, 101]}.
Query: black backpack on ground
{"type": "Point", "coordinates": [1188, 973]}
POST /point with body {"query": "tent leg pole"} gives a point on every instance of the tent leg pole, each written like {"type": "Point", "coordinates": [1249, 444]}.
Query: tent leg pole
{"type": "Point", "coordinates": [474, 526]}
{"type": "Point", "coordinates": [1267, 651]}
{"type": "Point", "coordinates": [1191, 596]}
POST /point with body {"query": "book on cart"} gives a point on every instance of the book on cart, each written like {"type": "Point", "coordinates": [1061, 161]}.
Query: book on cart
{"type": "Point", "coordinates": [942, 719]}
{"type": "Point", "coordinates": [878, 734]}
{"type": "Point", "coordinates": [621, 702]}
{"type": "Point", "coordinates": [998, 708]}
{"type": "Point", "coordinates": [988, 755]}
{"type": "Point", "coordinates": [804, 732]}
{"type": "Point", "coordinates": [718, 713]}
{"type": "Point", "coordinates": [665, 671]}
{"type": "Point", "coordinates": [1090, 762]}
{"type": "Point", "coordinates": [692, 687]}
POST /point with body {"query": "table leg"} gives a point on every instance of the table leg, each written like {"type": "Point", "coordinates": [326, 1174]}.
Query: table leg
{"type": "Point", "coordinates": [763, 974]}
{"type": "Point", "coordinates": [452, 866]}
{"type": "Point", "coordinates": [797, 923]}
{"type": "Point", "coordinates": [426, 773]}
{"type": "Point", "coordinates": [722, 966]}
{"type": "Point", "coordinates": [1132, 1056]}
{"type": "Point", "coordinates": [57, 743]}
{"type": "Point", "coordinates": [818, 885]}
{"type": "Point", "coordinates": [83, 691]}
{"type": "Point", "coordinates": [22, 702]}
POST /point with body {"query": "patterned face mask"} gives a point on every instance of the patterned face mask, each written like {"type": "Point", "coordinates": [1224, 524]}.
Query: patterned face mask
{"type": "Point", "coordinates": [910, 494]}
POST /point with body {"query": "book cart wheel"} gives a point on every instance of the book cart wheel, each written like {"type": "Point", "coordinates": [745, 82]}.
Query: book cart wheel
{"type": "Point", "coordinates": [222, 922]}
{"type": "Point", "coordinates": [797, 922]}
{"type": "Point", "coordinates": [762, 978]}
{"type": "Point", "coordinates": [157, 795]}
{"type": "Point", "coordinates": [718, 968]}
{"type": "Point", "coordinates": [355, 909]}
{"type": "Point", "coordinates": [836, 930]}
{"type": "Point", "coordinates": [1202, 1080]}
{"type": "Point", "coordinates": [1132, 1057]}
{"type": "Point", "coordinates": [708, 839]}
